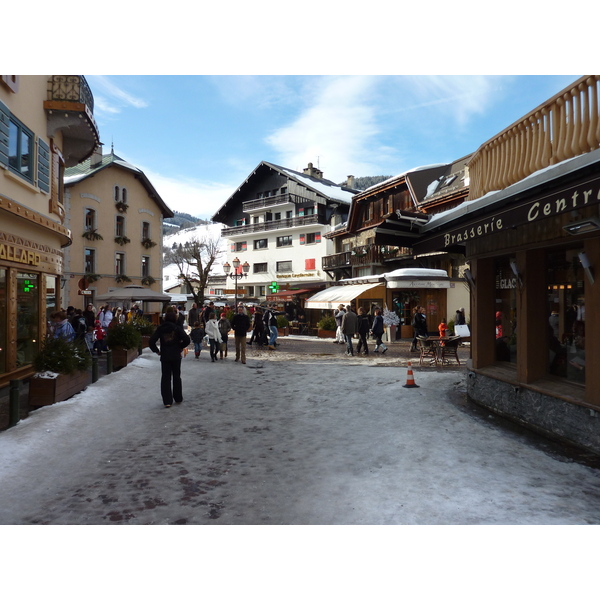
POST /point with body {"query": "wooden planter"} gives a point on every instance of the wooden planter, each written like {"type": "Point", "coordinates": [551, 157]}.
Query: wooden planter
{"type": "Point", "coordinates": [283, 331]}
{"type": "Point", "coordinates": [325, 333]}
{"type": "Point", "coordinates": [122, 357]}
{"type": "Point", "coordinates": [43, 392]}
{"type": "Point", "coordinates": [145, 341]}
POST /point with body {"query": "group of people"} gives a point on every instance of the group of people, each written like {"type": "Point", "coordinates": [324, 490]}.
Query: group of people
{"type": "Point", "coordinates": [350, 324]}
{"type": "Point", "coordinates": [89, 325]}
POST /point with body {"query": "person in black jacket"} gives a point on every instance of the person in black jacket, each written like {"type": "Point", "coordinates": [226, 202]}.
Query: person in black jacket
{"type": "Point", "coordinates": [419, 326]}
{"type": "Point", "coordinates": [240, 324]}
{"type": "Point", "coordinates": [173, 339]}
{"type": "Point", "coordinates": [363, 327]}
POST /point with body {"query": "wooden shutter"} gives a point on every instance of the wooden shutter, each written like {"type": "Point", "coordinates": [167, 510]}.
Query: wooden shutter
{"type": "Point", "coordinates": [4, 128]}
{"type": "Point", "coordinates": [317, 238]}
{"type": "Point", "coordinates": [43, 166]}
{"type": "Point", "coordinates": [302, 239]}
{"type": "Point", "coordinates": [310, 264]}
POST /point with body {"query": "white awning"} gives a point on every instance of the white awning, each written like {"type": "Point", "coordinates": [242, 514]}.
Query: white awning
{"type": "Point", "coordinates": [331, 297]}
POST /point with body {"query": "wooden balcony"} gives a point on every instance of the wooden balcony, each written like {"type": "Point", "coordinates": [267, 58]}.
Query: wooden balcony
{"type": "Point", "coordinates": [70, 108]}
{"type": "Point", "coordinates": [363, 256]}
{"type": "Point", "coordinates": [263, 203]}
{"type": "Point", "coordinates": [272, 225]}
{"type": "Point", "coordinates": [565, 126]}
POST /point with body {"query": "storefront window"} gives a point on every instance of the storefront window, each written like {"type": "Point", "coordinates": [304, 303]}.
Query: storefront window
{"type": "Point", "coordinates": [3, 320]}
{"type": "Point", "coordinates": [506, 311]}
{"type": "Point", "coordinates": [51, 283]}
{"type": "Point", "coordinates": [27, 317]}
{"type": "Point", "coordinates": [566, 315]}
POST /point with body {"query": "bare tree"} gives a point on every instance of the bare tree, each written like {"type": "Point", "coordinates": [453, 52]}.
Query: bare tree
{"type": "Point", "coordinates": [195, 259]}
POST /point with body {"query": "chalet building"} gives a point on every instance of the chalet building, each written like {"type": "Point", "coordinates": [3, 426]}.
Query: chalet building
{"type": "Point", "coordinates": [530, 232]}
{"type": "Point", "coordinates": [275, 225]}
{"type": "Point", "coordinates": [115, 216]}
{"type": "Point", "coordinates": [382, 225]}
{"type": "Point", "coordinates": [46, 125]}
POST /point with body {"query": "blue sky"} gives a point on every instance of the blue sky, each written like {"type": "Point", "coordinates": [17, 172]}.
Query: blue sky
{"type": "Point", "coordinates": [198, 137]}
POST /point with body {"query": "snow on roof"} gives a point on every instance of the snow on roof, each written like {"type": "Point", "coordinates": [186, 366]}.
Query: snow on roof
{"type": "Point", "coordinates": [391, 179]}
{"type": "Point", "coordinates": [332, 191]}
{"type": "Point", "coordinates": [416, 273]}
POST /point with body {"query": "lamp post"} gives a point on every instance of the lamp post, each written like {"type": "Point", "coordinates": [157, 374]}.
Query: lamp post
{"type": "Point", "coordinates": [237, 274]}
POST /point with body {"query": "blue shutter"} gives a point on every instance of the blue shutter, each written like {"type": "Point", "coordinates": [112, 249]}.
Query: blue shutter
{"type": "Point", "coordinates": [43, 166]}
{"type": "Point", "coordinates": [4, 128]}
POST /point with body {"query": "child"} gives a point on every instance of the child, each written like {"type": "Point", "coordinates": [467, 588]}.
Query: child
{"type": "Point", "coordinates": [197, 335]}
{"type": "Point", "coordinates": [443, 328]}
{"type": "Point", "coordinates": [99, 334]}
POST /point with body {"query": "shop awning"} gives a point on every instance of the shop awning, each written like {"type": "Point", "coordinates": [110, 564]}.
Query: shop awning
{"type": "Point", "coordinates": [331, 297]}
{"type": "Point", "coordinates": [286, 295]}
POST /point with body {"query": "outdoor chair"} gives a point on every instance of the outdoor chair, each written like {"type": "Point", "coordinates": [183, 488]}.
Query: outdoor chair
{"type": "Point", "coordinates": [428, 350]}
{"type": "Point", "coordinates": [450, 348]}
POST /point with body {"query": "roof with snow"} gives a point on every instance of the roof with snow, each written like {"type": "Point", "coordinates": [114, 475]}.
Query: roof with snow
{"type": "Point", "coordinates": [85, 169]}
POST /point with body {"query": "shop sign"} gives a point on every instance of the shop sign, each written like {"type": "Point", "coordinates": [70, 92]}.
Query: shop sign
{"type": "Point", "coordinates": [20, 255]}
{"type": "Point", "coordinates": [85, 292]}
{"type": "Point", "coordinates": [557, 203]}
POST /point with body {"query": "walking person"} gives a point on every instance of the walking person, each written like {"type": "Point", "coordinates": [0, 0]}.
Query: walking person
{"type": "Point", "coordinates": [258, 329]}
{"type": "Point", "coordinates": [363, 327]}
{"type": "Point", "coordinates": [224, 328]}
{"type": "Point", "coordinates": [173, 340]}
{"type": "Point", "coordinates": [419, 324]}
{"type": "Point", "coordinates": [270, 320]}
{"type": "Point", "coordinates": [197, 335]}
{"type": "Point", "coordinates": [240, 324]}
{"type": "Point", "coordinates": [338, 315]}
{"type": "Point", "coordinates": [377, 331]}
{"type": "Point", "coordinates": [349, 328]}
{"type": "Point", "coordinates": [214, 336]}
{"type": "Point", "coordinates": [193, 315]}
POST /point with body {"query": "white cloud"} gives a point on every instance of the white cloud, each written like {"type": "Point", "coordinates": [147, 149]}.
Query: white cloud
{"type": "Point", "coordinates": [197, 198]}
{"type": "Point", "coordinates": [337, 130]}
{"type": "Point", "coordinates": [113, 97]}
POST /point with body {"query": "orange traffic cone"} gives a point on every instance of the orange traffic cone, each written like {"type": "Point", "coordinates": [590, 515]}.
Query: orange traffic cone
{"type": "Point", "coordinates": [410, 380]}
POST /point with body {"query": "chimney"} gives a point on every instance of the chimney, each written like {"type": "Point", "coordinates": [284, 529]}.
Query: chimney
{"type": "Point", "coordinates": [96, 159]}
{"type": "Point", "coordinates": [313, 172]}
{"type": "Point", "coordinates": [350, 181]}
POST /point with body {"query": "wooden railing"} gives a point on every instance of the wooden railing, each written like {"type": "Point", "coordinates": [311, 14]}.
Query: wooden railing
{"type": "Point", "coordinates": [261, 203]}
{"type": "Point", "coordinates": [363, 255]}
{"type": "Point", "coordinates": [565, 126]}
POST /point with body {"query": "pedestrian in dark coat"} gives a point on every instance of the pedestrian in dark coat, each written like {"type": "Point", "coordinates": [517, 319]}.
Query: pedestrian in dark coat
{"type": "Point", "coordinates": [419, 326]}
{"type": "Point", "coordinates": [240, 324]}
{"type": "Point", "coordinates": [363, 327]}
{"type": "Point", "coordinates": [349, 328]}
{"type": "Point", "coordinates": [173, 339]}
{"type": "Point", "coordinates": [377, 331]}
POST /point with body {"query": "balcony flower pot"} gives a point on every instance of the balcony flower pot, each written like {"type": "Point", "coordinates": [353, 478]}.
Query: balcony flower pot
{"type": "Point", "coordinates": [62, 372]}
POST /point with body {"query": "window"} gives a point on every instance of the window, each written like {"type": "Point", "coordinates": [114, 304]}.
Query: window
{"type": "Point", "coordinates": [240, 222]}
{"type": "Point", "coordinates": [3, 311]}
{"type": "Point", "coordinates": [145, 266]}
{"type": "Point", "coordinates": [261, 244]}
{"type": "Point", "coordinates": [506, 311]}
{"type": "Point", "coordinates": [90, 260]}
{"type": "Point", "coordinates": [120, 227]}
{"type": "Point", "coordinates": [20, 149]}
{"type": "Point", "coordinates": [261, 290]}
{"type": "Point", "coordinates": [255, 220]}
{"type": "Point", "coordinates": [278, 216]}
{"type": "Point", "coordinates": [117, 193]}
{"type": "Point", "coordinates": [289, 214]}
{"type": "Point", "coordinates": [310, 238]}
{"type": "Point", "coordinates": [119, 263]}
{"type": "Point", "coordinates": [284, 266]}
{"type": "Point", "coordinates": [260, 268]}
{"type": "Point", "coordinates": [284, 240]}
{"type": "Point", "coordinates": [309, 210]}
{"type": "Point", "coordinates": [284, 190]}
{"type": "Point", "coordinates": [145, 230]}
{"type": "Point", "coordinates": [27, 311]}
{"type": "Point", "coordinates": [239, 246]}
{"type": "Point", "coordinates": [250, 290]}
{"type": "Point", "coordinates": [124, 195]}
{"type": "Point", "coordinates": [90, 219]}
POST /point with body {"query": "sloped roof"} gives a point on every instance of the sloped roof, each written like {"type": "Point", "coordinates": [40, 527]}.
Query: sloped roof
{"type": "Point", "coordinates": [323, 187]}
{"type": "Point", "coordinates": [84, 170]}
{"type": "Point", "coordinates": [433, 185]}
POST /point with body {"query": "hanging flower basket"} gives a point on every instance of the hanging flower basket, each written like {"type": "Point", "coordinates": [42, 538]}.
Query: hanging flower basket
{"type": "Point", "coordinates": [92, 235]}
{"type": "Point", "coordinates": [148, 280]}
{"type": "Point", "coordinates": [122, 240]}
{"type": "Point", "coordinates": [91, 277]}
{"type": "Point", "coordinates": [121, 206]}
{"type": "Point", "coordinates": [122, 279]}
{"type": "Point", "coordinates": [148, 243]}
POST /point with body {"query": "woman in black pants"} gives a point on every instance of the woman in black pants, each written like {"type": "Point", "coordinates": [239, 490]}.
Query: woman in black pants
{"type": "Point", "coordinates": [419, 326]}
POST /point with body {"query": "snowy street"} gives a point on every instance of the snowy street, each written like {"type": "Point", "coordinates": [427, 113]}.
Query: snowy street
{"type": "Point", "coordinates": [284, 439]}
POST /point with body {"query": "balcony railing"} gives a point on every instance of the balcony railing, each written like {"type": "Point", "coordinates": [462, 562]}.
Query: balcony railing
{"type": "Point", "coordinates": [363, 255]}
{"type": "Point", "coordinates": [271, 225]}
{"type": "Point", "coordinates": [71, 88]}
{"type": "Point", "coordinates": [565, 126]}
{"type": "Point", "coordinates": [261, 203]}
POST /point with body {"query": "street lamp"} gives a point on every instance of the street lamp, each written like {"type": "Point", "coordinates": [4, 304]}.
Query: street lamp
{"type": "Point", "coordinates": [237, 274]}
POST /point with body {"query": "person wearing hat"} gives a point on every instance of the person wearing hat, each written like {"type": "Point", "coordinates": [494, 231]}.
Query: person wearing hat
{"type": "Point", "coordinates": [338, 315]}
{"type": "Point", "coordinates": [460, 319]}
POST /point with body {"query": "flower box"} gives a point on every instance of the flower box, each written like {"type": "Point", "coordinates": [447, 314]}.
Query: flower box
{"type": "Point", "coordinates": [121, 357]}
{"type": "Point", "coordinates": [45, 390]}
{"type": "Point", "coordinates": [325, 333]}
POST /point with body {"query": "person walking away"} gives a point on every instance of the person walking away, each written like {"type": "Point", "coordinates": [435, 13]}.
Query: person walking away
{"type": "Point", "coordinates": [193, 315]}
{"type": "Point", "coordinates": [173, 340]}
{"type": "Point", "coordinates": [419, 324]}
{"type": "Point", "coordinates": [270, 320]}
{"type": "Point", "coordinates": [377, 331]}
{"type": "Point", "coordinates": [338, 315]}
{"type": "Point", "coordinates": [349, 328]}
{"type": "Point", "coordinates": [62, 328]}
{"type": "Point", "coordinates": [363, 327]}
{"type": "Point", "coordinates": [460, 319]}
{"type": "Point", "coordinates": [210, 308]}
{"type": "Point", "coordinates": [197, 335]}
{"type": "Point", "coordinates": [224, 328]}
{"type": "Point", "coordinates": [214, 336]}
{"type": "Point", "coordinates": [240, 324]}
{"type": "Point", "coordinates": [258, 329]}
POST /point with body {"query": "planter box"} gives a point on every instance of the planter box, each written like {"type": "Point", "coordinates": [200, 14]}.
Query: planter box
{"type": "Point", "coordinates": [121, 357]}
{"type": "Point", "coordinates": [325, 333]}
{"type": "Point", "coordinates": [43, 392]}
{"type": "Point", "coordinates": [406, 332]}
{"type": "Point", "coordinates": [145, 341]}
{"type": "Point", "coordinates": [283, 331]}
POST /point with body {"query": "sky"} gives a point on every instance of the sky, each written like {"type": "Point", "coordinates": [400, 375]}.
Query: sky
{"type": "Point", "coordinates": [198, 96]}
{"type": "Point", "coordinates": [197, 137]}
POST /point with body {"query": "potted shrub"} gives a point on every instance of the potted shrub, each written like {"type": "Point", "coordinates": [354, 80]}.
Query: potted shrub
{"type": "Point", "coordinates": [92, 235]}
{"type": "Point", "coordinates": [121, 206]}
{"type": "Point", "coordinates": [326, 327]}
{"type": "Point", "coordinates": [148, 243]}
{"type": "Point", "coordinates": [123, 339]}
{"type": "Point", "coordinates": [283, 325]}
{"type": "Point", "coordinates": [146, 329]}
{"type": "Point", "coordinates": [148, 280]}
{"type": "Point", "coordinates": [62, 371]}
{"type": "Point", "coordinates": [122, 279]}
{"type": "Point", "coordinates": [122, 240]}
{"type": "Point", "coordinates": [390, 321]}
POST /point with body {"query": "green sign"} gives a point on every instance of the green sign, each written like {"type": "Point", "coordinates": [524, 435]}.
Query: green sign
{"type": "Point", "coordinates": [274, 287]}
